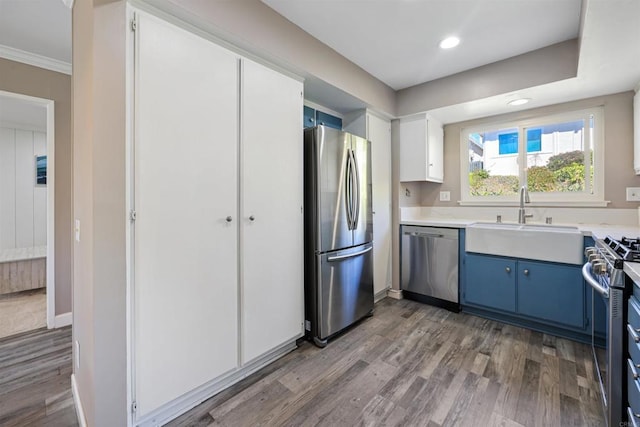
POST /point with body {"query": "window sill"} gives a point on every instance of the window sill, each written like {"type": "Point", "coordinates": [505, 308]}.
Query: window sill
{"type": "Point", "coordinates": [558, 204]}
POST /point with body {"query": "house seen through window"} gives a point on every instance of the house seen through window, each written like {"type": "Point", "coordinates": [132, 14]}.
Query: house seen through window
{"type": "Point", "coordinates": [557, 157]}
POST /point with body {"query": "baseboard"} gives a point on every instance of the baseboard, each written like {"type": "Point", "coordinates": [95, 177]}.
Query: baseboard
{"type": "Point", "coordinates": [179, 406]}
{"type": "Point", "coordinates": [394, 293]}
{"type": "Point", "coordinates": [82, 420]}
{"type": "Point", "coordinates": [381, 295]}
{"type": "Point", "coordinates": [62, 320]}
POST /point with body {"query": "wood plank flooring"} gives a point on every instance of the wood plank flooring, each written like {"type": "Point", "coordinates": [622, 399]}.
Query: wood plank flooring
{"type": "Point", "coordinates": [408, 365]}
{"type": "Point", "coordinates": [416, 365]}
{"type": "Point", "coordinates": [35, 379]}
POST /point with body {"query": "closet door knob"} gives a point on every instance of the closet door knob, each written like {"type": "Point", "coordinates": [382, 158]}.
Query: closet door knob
{"type": "Point", "coordinates": [252, 218]}
{"type": "Point", "coordinates": [229, 219]}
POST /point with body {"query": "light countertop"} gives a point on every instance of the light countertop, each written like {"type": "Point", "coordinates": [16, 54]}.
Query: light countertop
{"type": "Point", "coordinates": [597, 231]}
{"type": "Point", "coordinates": [633, 271]}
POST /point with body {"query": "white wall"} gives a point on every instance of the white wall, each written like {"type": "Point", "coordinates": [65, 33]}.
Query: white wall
{"type": "Point", "coordinates": [23, 205]}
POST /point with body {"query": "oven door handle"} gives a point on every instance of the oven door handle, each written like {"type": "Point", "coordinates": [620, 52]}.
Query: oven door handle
{"type": "Point", "coordinates": [587, 274]}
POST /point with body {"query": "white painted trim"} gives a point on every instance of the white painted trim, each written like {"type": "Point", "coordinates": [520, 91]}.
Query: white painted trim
{"type": "Point", "coordinates": [62, 320]}
{"type": "Point", "coordinates": [382, 294]}
{"type": "Point", "coordinates": [50, 106]}
{"type": "Point", "coordinates": [82, 419]}
{"type": "Point", "coordinates": [394, 293]}
{"type": "Point", "coordinates": [34, 59]}
{"type": "Point", "coordinates": [189, 400]}
{"type": "Point", "coordinates": [322, 108]}
{"type": "Point", "coordinates": [68, 3]}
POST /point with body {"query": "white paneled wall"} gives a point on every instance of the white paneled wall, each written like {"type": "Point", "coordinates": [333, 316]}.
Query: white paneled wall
{"type": "Point", "coordinates": [23, 205]}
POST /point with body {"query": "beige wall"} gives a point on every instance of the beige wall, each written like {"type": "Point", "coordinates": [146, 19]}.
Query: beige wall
{"type": "Point", "coordinates": [33, 81]}
{"type": "Point", "coordinates": [618, 122]}
{"type": "Point", "coordinates": [100, 309]}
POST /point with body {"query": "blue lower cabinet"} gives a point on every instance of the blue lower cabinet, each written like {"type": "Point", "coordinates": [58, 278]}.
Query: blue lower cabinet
{"type": "Point", "coordinates": [547, 297]}
{"type": "Point", "coordinates": [551, 292]}
{"type": "Point", "coordinates": [490, 282]}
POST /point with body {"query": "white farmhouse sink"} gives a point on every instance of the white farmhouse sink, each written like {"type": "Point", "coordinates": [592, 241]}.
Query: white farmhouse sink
{"type": "Point", "coordinates": [555, 243]}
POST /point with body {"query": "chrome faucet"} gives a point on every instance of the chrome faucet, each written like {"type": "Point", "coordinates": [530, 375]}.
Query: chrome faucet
{"type": "Point", "coordinates": [524, 198]}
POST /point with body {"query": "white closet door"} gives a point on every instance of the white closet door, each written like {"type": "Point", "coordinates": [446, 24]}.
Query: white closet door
{"type": "Point", "coordinates": [379, 132]}
{"type": "Point", "coordinates": [271, 191]}
{"type": "Point", "coordinates": [7, 188]}
{"type": "Point", "coordinates": [185, 267]}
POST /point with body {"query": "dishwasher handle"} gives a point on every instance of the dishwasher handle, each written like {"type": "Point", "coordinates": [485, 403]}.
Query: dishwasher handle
{"type": "Point", "coordinates": [418, 234]}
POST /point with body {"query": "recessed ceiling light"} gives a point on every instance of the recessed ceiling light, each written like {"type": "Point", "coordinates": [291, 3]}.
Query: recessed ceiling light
{"type": "Point", "coordinates": [520, 101]}
{"type": "Point", "coordinates": [449, 42]}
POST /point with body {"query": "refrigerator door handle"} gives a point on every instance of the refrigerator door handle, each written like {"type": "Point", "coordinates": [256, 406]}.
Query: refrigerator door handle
{"type": "Point", "coordinates": [339, 257]}
{"type": "Point", "coordinates": [356, 175]}
{"type": "Point", "coordinates": [348, 193]}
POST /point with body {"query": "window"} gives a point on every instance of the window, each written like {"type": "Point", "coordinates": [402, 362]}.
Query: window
{"type": "Point", "coordinates": [557, 157]}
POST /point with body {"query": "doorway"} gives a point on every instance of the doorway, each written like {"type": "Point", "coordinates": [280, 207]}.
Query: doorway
{"type": "Point", "coordinates": [27, 265]}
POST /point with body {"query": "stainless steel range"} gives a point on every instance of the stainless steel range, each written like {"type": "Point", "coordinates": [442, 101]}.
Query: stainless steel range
{"type": "Point", "coordinates": [610, 292]}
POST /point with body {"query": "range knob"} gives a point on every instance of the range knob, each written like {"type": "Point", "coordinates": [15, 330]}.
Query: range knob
{"type": "Point", "coordinates": [590, 250]}
{"type": "Point", "coordinates": [594, 258]}
{"type": "Point", "coordinates": [599, 268]}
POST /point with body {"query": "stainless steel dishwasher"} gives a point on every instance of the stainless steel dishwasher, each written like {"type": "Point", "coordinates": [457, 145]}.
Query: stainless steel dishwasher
{"type": "Point", "coordinates": [429, 258]}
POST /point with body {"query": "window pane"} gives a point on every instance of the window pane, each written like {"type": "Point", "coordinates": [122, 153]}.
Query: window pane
{"type": "Point", "coordinates": [493, 163]}
{"type": "Point", "coordinates": [555, 157]}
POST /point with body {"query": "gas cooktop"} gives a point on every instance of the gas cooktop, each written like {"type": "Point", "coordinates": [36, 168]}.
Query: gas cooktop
{"type": "Point", "coordinates": [628, 249]}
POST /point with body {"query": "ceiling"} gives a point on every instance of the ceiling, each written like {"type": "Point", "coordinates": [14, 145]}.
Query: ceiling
{"type": "Point", "coordinates": [20, 112]}
{"type": "Point", "coordinates": [397, 41]}
{"type": "Point", "coordinates": [41, 27]}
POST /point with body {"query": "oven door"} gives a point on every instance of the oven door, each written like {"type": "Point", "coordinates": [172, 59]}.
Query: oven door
{"type": "Point", "coordinates": [600, 339]}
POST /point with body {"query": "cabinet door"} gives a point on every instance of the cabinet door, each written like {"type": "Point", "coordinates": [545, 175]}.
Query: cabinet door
{"type": "Point", "coordinates": [379, 133]}
{"type": "Point", "coordinates": [490, 282]}
{"type": "Point", "coordinates": [413, 154]}
{"type": "Point", "coordinates": [185, 169]}
{"type": "Point", "coordinates": [328, 120]}
{"type": "Point", "coordinates": [551, 292]}
{"type": "Point", "coordinates": [435, 150]}
{"type": "Point", "coordinates": [271, 223]}
{"type": "Point", "coordinates": [308, 117]}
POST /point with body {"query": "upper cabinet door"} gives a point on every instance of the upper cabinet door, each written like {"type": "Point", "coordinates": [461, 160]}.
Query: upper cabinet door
{"type": "Point", "coordinates": [271, 218]}
{"type": "Point", "coordinates": [421, 149]}
{"type": "Point", "coordinates": [185, 188]}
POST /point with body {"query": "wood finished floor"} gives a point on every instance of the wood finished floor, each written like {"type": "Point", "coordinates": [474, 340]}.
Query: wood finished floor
{"type": "Point", "coordinates": [416, 365]}
{"type": "Point", "coordinates": [408, 365]}
{"type": "Point", "coordinates": [35, 379]}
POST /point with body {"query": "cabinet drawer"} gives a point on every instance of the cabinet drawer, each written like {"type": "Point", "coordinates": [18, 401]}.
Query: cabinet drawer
{"type": "Point", "coordinates": [634, 387]}
{"type": "Point", "coordinates": [634, 419]}
{"type": "Point", "coordinates": [634, 312]}
{"type": "Point", "coordinates": [634, 347]}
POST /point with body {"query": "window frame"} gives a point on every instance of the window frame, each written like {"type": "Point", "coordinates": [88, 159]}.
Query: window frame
{"type": "Point", "coordinates": [583, 198]}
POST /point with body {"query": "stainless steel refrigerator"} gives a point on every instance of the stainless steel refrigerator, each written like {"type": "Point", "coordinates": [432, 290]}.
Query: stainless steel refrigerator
{"type": "Point", "coordinates": [338, 231]}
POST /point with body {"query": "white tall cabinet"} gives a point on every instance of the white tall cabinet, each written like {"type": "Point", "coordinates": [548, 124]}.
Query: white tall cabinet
{"type": "Point", "coordinates": [377, 130]}
{"type": "Point", "coordinates": [216, 271]}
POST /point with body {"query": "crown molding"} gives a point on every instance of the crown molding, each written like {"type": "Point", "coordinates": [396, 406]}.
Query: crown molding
{"type": "Point", "coordinates": [34, 59]}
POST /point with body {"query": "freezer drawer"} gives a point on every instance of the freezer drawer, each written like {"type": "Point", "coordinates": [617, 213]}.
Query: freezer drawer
{"type": "Point", "coordinates": [430, 264]}
{"type": "Point", "coordinates": [345, 288]}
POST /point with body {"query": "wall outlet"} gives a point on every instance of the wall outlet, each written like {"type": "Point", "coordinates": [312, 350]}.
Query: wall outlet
{"type": "Point", "coordinates": [445, 196]}
{"type": "Point", "coordinates": [633, 194]}
{"type": "Point", "coordinates": [76, 355]}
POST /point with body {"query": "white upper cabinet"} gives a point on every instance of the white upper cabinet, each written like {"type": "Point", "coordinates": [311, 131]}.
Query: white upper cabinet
{"type": "Point", "coordinates": [421, 149]}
